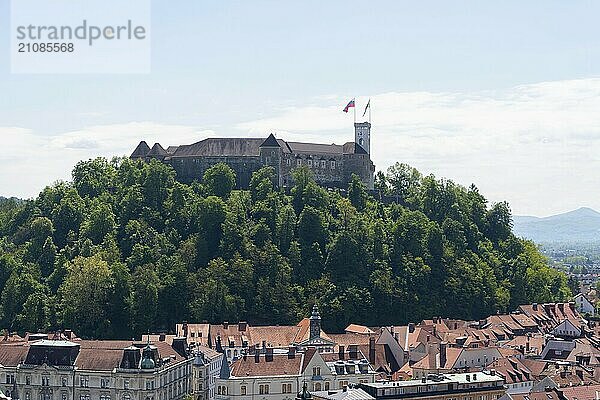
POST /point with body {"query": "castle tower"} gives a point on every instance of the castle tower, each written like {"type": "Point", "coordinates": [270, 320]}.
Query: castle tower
{"type": "Point", "coordinates": [270, 155]}
{"type": "Point", "coordinates": [362, 135]}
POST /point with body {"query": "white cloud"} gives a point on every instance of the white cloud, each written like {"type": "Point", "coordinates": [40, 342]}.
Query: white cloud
{"type": "Point", "coordinates": [32, 161]}
{"type": "Point", "coordinates": [535, 145]}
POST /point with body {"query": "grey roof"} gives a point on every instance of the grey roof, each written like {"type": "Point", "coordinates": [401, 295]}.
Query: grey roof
{"type": "Point", "coordinates": [225, 372]}
{"type": "Point", "coordinates": [221, 147]}
{"type": "Point", "coordinates": [270, 142]}
{"type": "Point", "coordinates": [157, 150]}
{"type": "Point", "coordinates": [250, 147]}
{"type": "Point", "coordinates": [315, 148]}
{"type": "Point", "coordinates": [141, 150]}
{"type": "Point", "coordinates": [348, 394]}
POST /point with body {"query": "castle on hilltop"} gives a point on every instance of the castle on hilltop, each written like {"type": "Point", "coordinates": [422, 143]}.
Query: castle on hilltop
{"type": "Point", "coordinates": [331, 164]}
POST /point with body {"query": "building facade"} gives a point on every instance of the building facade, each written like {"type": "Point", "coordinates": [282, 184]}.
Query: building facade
{"type": "Point", "coordinates": [272, 376]}
{"type": "Point", "coordinates": [206, 368]}
{"type": "Point", "coordinates": [332, 165]}
{"type": "Point", "coordinates": [94, 370]}
{"type": "Point", "coordinates": [484, 385]}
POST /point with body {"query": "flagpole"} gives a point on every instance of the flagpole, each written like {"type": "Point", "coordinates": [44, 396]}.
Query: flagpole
{"type": "Point", "coordinates": [369, 111]}
{"type": "Point", "coordinates": [354, 109]}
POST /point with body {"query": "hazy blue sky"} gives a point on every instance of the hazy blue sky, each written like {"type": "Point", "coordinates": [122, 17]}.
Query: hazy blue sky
{"type": "Point", "coordinates": [501, 94]}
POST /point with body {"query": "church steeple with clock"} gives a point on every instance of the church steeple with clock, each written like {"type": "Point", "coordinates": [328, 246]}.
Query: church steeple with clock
{"type": "Point", "coordinates": [362, 135]}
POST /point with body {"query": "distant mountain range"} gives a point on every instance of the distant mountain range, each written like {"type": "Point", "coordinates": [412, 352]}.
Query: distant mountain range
{"type": "Point", "coordinates": [581, 225]}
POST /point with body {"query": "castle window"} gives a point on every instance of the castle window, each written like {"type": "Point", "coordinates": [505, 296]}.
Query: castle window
{"type": "Point", "coordinates": [323, 164]}
{"type": "Point", "coordinates": [289, 162]}
{"type": "Point", "coordinates": [318, 387]}
{"type": "Point", "coordinates": [243, 390]}
{"type": "Point", "coordinates": [333, 165]}
{"type": "Point", "coordinates": [310, 163]}
{"type": "Point", "coordinates": [326, 385]}
{"type": "Point", "coordinates": [286, 388]}
{"type": "Point", "coordinates": [299, 162]}
{"type": "Point", "coordinates": [268, 159]}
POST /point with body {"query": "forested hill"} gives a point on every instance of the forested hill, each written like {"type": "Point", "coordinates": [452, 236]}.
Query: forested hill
{"type": "Point", "coordinates": [124, 248]}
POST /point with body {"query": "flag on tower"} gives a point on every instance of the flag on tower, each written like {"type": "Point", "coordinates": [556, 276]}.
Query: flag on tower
{"type": "Point", "coordinates": [367, 107]}
{"type": "Point", "coordinates": [350, 104]}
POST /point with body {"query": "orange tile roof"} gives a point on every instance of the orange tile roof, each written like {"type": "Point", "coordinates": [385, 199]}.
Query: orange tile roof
{"type": "Point", "coordinates": [280, 365]}
{"type": "Point", "coordinates": [581, 392]}
{"type": "Point", "coordinates": [354, 328]}
{"type": "Point", "coordinates": [274, 336]}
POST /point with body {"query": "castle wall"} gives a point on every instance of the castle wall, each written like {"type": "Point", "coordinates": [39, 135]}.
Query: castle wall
{"type": "Point", "coordinates": [327, 169]}
{"type": "Point", "coordinates": [190, 169]}
{"type": "Point", "coordinates": [361, 165]}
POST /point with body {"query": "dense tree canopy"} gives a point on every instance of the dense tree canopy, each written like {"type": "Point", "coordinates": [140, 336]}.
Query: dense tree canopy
{"type": "Point", "coordinates": [125, 248]}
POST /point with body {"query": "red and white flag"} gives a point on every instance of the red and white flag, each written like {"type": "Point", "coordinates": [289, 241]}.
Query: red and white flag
{"type": "Point", "coordinates": [350, 104]}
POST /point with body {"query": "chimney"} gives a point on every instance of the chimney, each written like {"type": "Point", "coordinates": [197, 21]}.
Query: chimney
{"type": "Point", "coordinates": [534, 306]}
{"type": "Point", "coordinates": [291, 352]}
{"type": "Point", "coordinates": [341, 352]}
{"type": "Point", "coordinates": [443, 346]}
{"type": "Point", "coordinates": [372, 350]}
{"type": "Point", "coordinates": [185, 328]}
{"type": "Point", "coordinates": [468, 378]}
{"type": "Point", "coordinates": [561, 307]}
{"type": "Point", "coordinates": [256, 356]}
{"type": "Point", "coordinates": [269, 354]}
{"type": "Point", "coordinates": [264, 345]}
{"type": "Point", "coordinates": [527, 346]}
{"type": "Point", "coordinates": [162, 337]}
{"type": "Point", "coordinates": [242, 326]}
{"type": "Point", "coordinates": [225, 325]}
{"type": "Point", "coordinates": [219, 346]}
{"type": "Point", "coordinates": [474, 377]}
{"type": "Point", "coordinates": [411, 327]}
{"type": "Point", "coordinates": [68, 333]}
{"type": "Point", "coordinates": [353, 350]}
